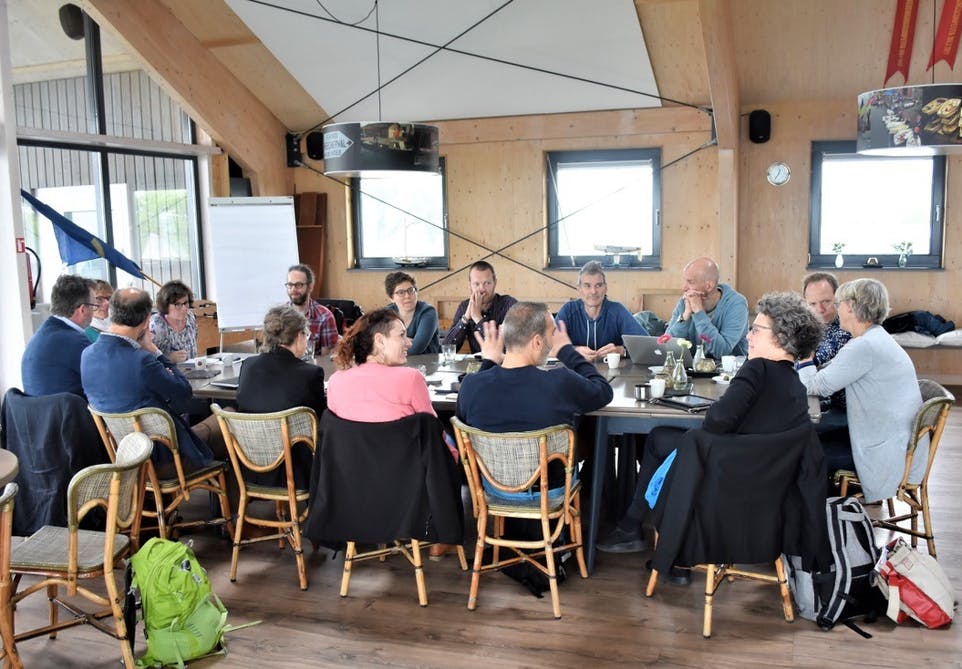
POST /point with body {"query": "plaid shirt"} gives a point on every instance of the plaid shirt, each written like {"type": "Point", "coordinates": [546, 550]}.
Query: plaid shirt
{"type": "Point", "coordinates": [322, 324]}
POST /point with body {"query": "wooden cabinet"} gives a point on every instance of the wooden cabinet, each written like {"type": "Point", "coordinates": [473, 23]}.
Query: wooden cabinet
{"type": "Point", "coordinates": [310, 214]}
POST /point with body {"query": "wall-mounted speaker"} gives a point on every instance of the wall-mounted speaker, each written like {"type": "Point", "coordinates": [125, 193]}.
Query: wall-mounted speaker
{"type": "Point", "coordinates": [759, 126]}
{"type": "Point", "coordinates": [315, 145]}
{"type": "Point", "coordinates": [72, 21]}
{"type": "Point", "coordinates": [293, 144]}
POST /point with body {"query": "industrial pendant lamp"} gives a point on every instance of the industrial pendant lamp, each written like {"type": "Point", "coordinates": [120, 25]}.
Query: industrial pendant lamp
{"type": "Point", "coordinates": [910, 120]}
{"type": "Point", "coordinates": [379, 148]}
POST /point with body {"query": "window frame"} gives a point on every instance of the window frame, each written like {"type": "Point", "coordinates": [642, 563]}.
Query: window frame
{"type": "Point", "coordinates": [556, 261]}
{"type": "Point", "coordinates": [361, 261]}
{"type": "Point", "coordinates": [817, 260]}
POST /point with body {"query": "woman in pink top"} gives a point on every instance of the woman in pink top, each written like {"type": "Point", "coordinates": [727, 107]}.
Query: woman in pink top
{"type": "Point", "coordinates": [373, 385]}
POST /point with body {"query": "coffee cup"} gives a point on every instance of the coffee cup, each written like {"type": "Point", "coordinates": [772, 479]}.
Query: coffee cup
{"type": "Point", "coordinates": [200, 363]}
{"type": "Point", "coordinates": [728, 364]}
{"type": "Point", "coordinates": [657, 388]}
{"type": "Point", "coordinates": [228, 359]}
{"type": "Point", "coordinates": [641, 392]}
{"type": "Point", "coordinates": [613, 360]}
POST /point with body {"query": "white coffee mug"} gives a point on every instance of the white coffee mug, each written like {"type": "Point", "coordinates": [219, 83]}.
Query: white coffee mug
{"type": "Point", "coordinates": [200, 363]}
{"type": "Point", "coordinates": [613, 360]}
{"type": "Point", "coordinates": [728, 363]}
{"type": "Point", "coordinates": [228, 359]}
{"type": "Point", "coordinates": [657, 388]}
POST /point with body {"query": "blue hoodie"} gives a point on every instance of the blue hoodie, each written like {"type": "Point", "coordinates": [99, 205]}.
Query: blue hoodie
{"type": "Point", "coordinates": [613, 321]}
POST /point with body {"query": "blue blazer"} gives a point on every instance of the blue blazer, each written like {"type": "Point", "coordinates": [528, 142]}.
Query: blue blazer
{"type": "Point", "coordinates": [118, 377]}
{"type": "Point", "coordinates": [51, 361]}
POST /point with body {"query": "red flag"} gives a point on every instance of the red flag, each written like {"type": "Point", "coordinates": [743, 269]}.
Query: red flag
{"type": "Point", "coordinates": [947, 38]}
{"type": "Point", "coordinates": [903, 36]}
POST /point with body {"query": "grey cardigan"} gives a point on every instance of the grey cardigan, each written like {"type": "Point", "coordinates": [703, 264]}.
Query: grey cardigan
{"type": "Point", "coordinates": [883, 396]}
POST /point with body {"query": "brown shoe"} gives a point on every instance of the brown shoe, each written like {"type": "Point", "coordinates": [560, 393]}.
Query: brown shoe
{"type": "Point", "coordinates": [437, 551]}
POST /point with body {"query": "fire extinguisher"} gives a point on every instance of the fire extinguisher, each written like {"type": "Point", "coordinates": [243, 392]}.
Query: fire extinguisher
{"type": "Point", "coordinates": [31, 284]}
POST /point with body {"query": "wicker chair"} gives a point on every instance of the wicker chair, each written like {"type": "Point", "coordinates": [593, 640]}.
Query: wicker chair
{"type": "Point", "coordinates": [512, 463]}
{"type": "Point", "coordinates": [930, 421]}
{"type": "Point", "coordinates": [173, 485]}
{"type": "Point", "coordinates": [262, 443]}
{"type": "Point", "coordinates": [62, 556]}
{"type": "Point", "coordinates": [9, 650]}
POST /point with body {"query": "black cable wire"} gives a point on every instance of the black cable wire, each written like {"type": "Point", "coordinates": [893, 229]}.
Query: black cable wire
{"type": "Point", "coordinates": [446, 47]}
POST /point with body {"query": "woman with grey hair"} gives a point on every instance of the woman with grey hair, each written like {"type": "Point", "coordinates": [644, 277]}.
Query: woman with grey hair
{"type": "Point", "coordinates": [765, 397]}
{"type": "Point", "coordinates": [881, 391]}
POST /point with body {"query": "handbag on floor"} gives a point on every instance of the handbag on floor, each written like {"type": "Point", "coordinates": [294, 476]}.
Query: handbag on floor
{"type": "Point", "coordinates": [915, 586]}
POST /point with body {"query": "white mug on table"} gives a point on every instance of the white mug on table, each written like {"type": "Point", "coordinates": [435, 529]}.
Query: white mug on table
{"type": "Point", "coordinates": [613, 360]}
{"type": "Point", "coordinates": [657, 387]}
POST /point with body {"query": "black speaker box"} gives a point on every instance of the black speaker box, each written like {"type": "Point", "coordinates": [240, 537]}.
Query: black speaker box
{"type": "Point", "coordinates": [759, 126]}
{"type": "Point", "coordinates": [315, 145]}
{"type": "Point", "coordinates": [293, 144]}
{"type": "Point", "coordinates": [72, 21]}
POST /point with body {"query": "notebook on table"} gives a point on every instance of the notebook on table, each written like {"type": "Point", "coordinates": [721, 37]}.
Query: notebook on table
{"type": "Point", "coordinates": [645, 350]}
{"type": "Point", "coordinates": [230, 382]}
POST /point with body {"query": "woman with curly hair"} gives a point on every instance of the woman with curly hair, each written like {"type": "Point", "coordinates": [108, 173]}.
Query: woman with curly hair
{"type": "Point", "coordinates": [765, 397]}
{"type": "Point", "coordinates": [174, 326]}
{"type": "Point", "coordinates": [373, 385]}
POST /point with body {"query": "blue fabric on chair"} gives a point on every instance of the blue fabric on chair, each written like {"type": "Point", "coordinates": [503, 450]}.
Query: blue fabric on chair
{"type": "Point", "coordinates": [658, 480]}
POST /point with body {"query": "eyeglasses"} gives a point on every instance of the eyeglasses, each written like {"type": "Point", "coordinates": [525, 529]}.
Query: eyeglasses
{"type": "Point", "coordinates": [400, 292]}
{"type": "Point", "coordinates": [182, 305]}
{"type": "Point", "coordinates": [755, 328]}
{"type": "Point", "coordinates": [296, 284]}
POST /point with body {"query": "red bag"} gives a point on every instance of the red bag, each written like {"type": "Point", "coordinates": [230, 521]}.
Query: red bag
{"type": "Point", "coordinates": [915, 586]}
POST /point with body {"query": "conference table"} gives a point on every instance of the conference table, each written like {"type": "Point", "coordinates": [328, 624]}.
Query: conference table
{"type": "Point", "coordinates": [9, 467]}
{"type": "Point", "coordinates": [623, 415]}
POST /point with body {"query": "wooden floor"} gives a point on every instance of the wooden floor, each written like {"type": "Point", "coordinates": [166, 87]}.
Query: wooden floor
{"type": "Point", "coordinates": [607, 620]}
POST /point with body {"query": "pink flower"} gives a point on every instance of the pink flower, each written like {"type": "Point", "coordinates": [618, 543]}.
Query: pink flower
{"type": "Point", "coordinates": [664, 339]}
{"type": "Point", "coordinates": [705, 338]}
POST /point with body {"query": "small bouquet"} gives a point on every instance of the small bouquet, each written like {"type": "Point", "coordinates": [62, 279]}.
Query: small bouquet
{"type": "Point", "coordinates": [904, 248]}
{"type": "Point", "coordinates": [837, 247]}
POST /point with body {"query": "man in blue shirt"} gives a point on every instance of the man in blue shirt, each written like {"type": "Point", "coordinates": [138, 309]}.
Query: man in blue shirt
{"type": "Point", "coordinates": [710, 312]}
{"type": "Point", "coordinates": [51, 361]}
{"type": "Point", "coordinates": [594, 323]}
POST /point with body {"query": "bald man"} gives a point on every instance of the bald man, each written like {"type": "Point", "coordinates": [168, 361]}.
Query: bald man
{"type": "Point", "coordinates": [712, 310]}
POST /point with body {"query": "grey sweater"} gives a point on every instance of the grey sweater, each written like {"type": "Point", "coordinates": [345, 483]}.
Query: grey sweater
{"type": "Point", "coordinates": [883, 396]}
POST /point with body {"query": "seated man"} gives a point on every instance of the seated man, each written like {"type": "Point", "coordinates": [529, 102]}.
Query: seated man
{"type": "Point", "coordinates": [320, 319]}
{"type": "Point", "coordinates": [819, 291]}
{"type": "Point", "coordinates": [595, 324]}
{"type": "Point", "coordinates": [518, 396]}
{"type": "Point", "coordinates": [712, 310]}
{"type": "Point", "coordinates": [482, 306]}
{"type": "Point", "coordinates": [51, 360]}
{"type": "Point", "coordinates": [124, 370]}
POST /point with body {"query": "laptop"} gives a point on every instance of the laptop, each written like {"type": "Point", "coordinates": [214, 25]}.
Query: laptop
{"type": "Point", "coordinates": [230, 382]}
{"type": "Point", "coordinates": [647, 351]}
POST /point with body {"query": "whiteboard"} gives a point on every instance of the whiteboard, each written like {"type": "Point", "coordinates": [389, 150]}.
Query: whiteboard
{"type": "Point", "coordinates": [253, 241]}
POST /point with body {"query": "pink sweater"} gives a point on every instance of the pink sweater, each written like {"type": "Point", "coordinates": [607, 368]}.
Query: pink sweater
{"type": "Point", "coordinates": [375, 393]}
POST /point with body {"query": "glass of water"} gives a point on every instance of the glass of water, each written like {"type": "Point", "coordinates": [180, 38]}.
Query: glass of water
{"type": "Point", "coordinates": [448, 351]}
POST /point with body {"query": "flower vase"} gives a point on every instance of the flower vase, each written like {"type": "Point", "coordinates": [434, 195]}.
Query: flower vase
{"type": "Point", "coordinates": [679, 377]}
{"type": "Point", "coordinates": [839, 260]}
{"type": "Point", "coordinates": [903, 260]}
{"type": "Point", "coordinates": [669, 364]}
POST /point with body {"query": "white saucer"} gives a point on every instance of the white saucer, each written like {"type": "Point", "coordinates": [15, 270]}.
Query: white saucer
{"type": "Point", "coordinates": [656, 369]}
{"type": "Point", "coordinates": [721, 380]}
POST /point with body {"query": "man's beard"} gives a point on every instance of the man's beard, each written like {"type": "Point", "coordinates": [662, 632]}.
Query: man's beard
{"type": "Point", "coordinates": [300, 300]}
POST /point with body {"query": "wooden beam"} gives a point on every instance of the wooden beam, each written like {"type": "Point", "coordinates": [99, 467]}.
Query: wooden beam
{"type": "Point", "coordinates": [203, 86]}
{"type": "Point", "coordinates": [722, 77]}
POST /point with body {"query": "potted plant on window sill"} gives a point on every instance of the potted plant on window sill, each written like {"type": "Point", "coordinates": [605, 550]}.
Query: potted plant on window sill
{"type": "Point", "coordinates": [905, 250]}
{"type": "Point", "coordinates": [837, 250]}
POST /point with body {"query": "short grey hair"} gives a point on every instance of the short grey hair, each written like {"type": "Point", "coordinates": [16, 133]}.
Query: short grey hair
{"type": "Point", "coordinates": [796, 329]}
{"type": "Point", "coordinates": [282, 325]}
{"type": "Point", "coordinates": [869, 298]}
{"type": "Point", "coordinates": [523, 321]}
{"type": "Point", "coordinates": [592, 267]}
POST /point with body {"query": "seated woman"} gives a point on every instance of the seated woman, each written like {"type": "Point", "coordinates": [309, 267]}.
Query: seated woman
{"type": "Point", "coordinates": [420, 318]}
{"type": "Point", "coordinates": [174, 326]}
{"type": "Point", "coordinates": [101, 319]}
{"type": "Point", "coordinates": [278, 379]}
{"type": "Point", "coordinates": [372, 384]}
{"type": "Point", "coordinates": [765, 397]}
{"type": "Point", "coordinates": [881, 392]}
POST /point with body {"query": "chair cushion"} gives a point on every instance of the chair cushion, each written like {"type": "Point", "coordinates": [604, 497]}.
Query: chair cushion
{"type": "Point", "coordinates": [46, 549]}
{"type": "Point", "coordinates": [914, 340]}
{"type": "Point", "coordinates": [951, 338]}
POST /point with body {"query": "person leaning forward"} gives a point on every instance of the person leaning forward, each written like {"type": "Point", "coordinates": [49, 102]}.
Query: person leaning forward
{"type": "Point", "coordinates": [482, 306]}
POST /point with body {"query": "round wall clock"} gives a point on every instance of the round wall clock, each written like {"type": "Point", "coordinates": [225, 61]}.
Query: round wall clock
{"type": "Point", "coordinates": [778, 174]}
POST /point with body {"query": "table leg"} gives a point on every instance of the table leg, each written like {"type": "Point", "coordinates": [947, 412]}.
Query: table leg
{"type": "Point", "coordinates": [599, 466]}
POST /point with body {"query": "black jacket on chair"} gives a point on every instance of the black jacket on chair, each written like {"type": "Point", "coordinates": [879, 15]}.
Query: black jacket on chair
{"type": "Point", "coordinates": [53, 437]}
{"type": "Point", "coordinates": [376, 482]}
{"type": "Point", "coordinates": [743, 499]}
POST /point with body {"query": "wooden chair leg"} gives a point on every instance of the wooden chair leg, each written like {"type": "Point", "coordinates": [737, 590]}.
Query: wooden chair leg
{"type": "Point", "coordinates": [9, 651]}
{"type": "Point", "coordinates": [576, 534]}
{"type": "Point", "coordinates": [478, 556]}
{"type": "Point", "coordinates": [709, 594]}
{"type": "Point", "coordinates": [238, 534]}
{"type": "Point", "coordinates": [349, 553]}
{"type": "Point", "coordinates": [462, 560]}
{"type": "Point", "coordinates": [298, 545]}
{"type": "Point", "coordinates": [927, 520]}
{"type": "Point", "coordinates": [116, 608]}
{"type": "Point", "coordinates": [652, 582]}
{"type": "Point", "coordinates": [419, 572]}
{"type": "Point", "coordinates": [552, 571]}
{"type": "Point", "coordinates": [225, 503]}
{"type": "Point", "coordinates": [52, 606]}
{"type": "Point", "coordinates": [783, 588]}
{"type": "Point", "coordinates": [890, 503]}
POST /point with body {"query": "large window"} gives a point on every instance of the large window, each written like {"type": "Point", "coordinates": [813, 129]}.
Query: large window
{"type": "Point", "coordinates": [866, 207]}
{"type": "Point", "coordinates": [400, 221]}
{"type": "Point", "coordinates": [605, 206]}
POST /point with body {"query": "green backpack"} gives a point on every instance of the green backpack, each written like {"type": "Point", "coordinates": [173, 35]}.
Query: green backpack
{"type": "Point", "coordinates": [183, 618]}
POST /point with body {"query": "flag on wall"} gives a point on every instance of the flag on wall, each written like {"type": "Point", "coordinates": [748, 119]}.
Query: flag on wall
{"type": "Point", "coordinates": [77, 245]}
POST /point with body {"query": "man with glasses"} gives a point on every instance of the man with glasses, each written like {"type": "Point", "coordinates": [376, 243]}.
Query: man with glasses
{"type": "Point", "coordinates": [51, 361]}
{"type": "Point", "coordinates": [596, 324]}
{"type": "Point", "coordinates": [300, 283]}
{"type": "Point", "coordinates": [819, 288]}
{"type": "Point", "coordinates": [710, 312]}
{"type": "Point", "coordinates": [483, 305]}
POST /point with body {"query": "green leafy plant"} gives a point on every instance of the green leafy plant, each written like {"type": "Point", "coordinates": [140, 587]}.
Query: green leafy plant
{"type": "Point", "coordinates": [837, 247]}
{"type": "Point", "coordinates": [904, 248]}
